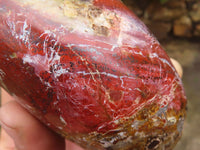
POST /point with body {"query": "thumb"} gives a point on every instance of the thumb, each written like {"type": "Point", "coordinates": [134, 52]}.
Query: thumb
{"type": "Point", "coordinates": [26, 131]}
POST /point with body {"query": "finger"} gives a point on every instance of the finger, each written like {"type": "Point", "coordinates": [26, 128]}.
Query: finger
{"type": "Point", "coordinates": [6, 142]}
{"type": "Point", "coordinates": [72, 146]}
{"type": "Point", "coordinates": [26, 131]}
{"type": "Point", "coordinates": [5, 97]}
{"type": "Point", "coordinates": [177, 67]}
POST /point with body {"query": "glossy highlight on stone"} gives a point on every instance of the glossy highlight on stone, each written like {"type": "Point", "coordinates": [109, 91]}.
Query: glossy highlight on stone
{"type": "Point", "coordinates": [91, 71]}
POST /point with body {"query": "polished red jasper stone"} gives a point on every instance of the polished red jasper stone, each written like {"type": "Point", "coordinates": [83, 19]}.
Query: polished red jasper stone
{"type": "Point", "coordinates": [91, 71]}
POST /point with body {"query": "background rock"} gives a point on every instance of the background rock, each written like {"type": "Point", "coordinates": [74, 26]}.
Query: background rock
{"type": "Point", "coordinates": [195, 13]}
{"type": "Point", "coordinates": [160, 29]}
{"type": "Point", "coordinates": [183, 27]}
{"type": "Point", "coordinates": [174, 18]}
{"type": "Point", "coordinates": [197, 30]}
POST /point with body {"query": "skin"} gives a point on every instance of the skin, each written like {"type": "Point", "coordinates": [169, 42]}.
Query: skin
{"type": "Point", "coordinates": [31, 135]}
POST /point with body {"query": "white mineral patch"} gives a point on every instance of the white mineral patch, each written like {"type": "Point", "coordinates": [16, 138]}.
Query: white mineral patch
{"type": "Point", "coordinates": [156, 122]}
{"type": "Point", "coordinates": [60, 128]}
{"type": "Point", "coordinates": [63, 120]}
{"type": "Point", "coordinates": [116, 121]}
{"type": "Point", "coordinates": [59, 72]}
{"type": "Point", "coordinates": [127, 25]}
{"type": "Point", "coordinates": [102, 20]}
{"type": "Point", "coordinates": [122, 134]}
{"type": "Point", "coordinates": [172, 119]}
{"type": "Point", "coordinates": [140, 134]}
{"type": "Point", "coordinates": [137, 100]}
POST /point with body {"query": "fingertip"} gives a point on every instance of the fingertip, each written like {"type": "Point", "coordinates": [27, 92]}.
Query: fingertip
{"type": "Point", "coordinates": [27, 132]}
{"type": "Point", "coordinates": [72, 146]}
{"type": "Point", "coordinates": [177, 66]}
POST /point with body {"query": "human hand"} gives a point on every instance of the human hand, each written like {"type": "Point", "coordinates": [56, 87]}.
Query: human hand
{"type": "Point", "coordinates": [22, 131]}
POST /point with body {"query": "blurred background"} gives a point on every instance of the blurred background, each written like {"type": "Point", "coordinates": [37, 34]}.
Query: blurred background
{"type": "Point", "coordinates": [176, 24]}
